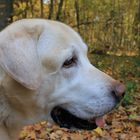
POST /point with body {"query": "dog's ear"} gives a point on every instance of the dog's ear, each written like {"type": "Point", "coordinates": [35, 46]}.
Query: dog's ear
{"type": "Point", "coordinates": [19, 58]}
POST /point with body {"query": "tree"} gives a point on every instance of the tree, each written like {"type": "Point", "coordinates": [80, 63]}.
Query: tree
{"type": "Point", "coordinates": [41, 7]}
{"type": "Point", "coordinates": [59, 10]}
{"type": "Point", "coordinates": [136, 26]}
{"type": "Point", "coordinates": [6, 10]}
{"type": "Point", "coordinates": [77, 15]}
{"type": "Point", "coordinates": [50, 9]}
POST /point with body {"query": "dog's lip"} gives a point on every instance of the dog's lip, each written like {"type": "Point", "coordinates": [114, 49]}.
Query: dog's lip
{"type": "Point", "coordinates": [66, 119]}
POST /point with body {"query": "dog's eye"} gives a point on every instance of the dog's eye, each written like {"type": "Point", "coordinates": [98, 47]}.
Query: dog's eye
{"type": "Point", "coordinates": [70, 62]}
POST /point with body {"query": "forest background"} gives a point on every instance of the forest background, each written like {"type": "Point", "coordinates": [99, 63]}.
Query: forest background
{"type": "Point", "coordinates": [111, 29]}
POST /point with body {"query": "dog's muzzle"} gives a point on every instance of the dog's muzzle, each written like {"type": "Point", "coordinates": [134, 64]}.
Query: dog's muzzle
{"type": "Point", "coordinates": [66, 119]}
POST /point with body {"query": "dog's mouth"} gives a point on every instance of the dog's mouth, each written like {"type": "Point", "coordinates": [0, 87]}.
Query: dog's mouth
{"type": "Point", "coordinates": [66, 119]}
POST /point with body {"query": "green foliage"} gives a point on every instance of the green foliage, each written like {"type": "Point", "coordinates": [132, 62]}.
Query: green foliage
{"type": "Point", "coordinates": [137, 61]}
{"type": "Point", "coordinates": [131, 67]}
{"type": "Point", "coordinates": [132, 116]}
{"type": "Point", "coordinates": [130, 89]}
{"type": "Point", "coordinates": [131, 86]}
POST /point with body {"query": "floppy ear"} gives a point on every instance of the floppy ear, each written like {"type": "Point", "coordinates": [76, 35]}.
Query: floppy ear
{"type": "Point", "coordinates": [19, 58]}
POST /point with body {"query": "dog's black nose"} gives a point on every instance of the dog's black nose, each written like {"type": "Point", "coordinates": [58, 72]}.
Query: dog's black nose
{"type": "Point", "coordinates": [119, 90]}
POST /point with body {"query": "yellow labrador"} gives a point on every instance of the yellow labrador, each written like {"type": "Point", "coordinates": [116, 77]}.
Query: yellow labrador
{"type": "Point", "coordinates": [45, 75]}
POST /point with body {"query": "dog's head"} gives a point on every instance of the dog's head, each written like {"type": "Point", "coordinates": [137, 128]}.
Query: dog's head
{"type": "Point", "coordinates": [51, 59]}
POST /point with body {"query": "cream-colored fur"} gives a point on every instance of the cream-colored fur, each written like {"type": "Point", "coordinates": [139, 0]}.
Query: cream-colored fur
{"type": "Point", "coordinates": [33, 78]}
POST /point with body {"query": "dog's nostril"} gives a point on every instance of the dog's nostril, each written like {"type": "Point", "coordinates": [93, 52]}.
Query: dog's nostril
{"type": "Point", "coordinates": [118, 98]}
{"type": "Point", "coordinates": [119, 89]}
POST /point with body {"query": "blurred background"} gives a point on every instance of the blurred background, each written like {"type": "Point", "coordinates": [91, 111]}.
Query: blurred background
{"type": "Point", "coordinates": [111, 29]}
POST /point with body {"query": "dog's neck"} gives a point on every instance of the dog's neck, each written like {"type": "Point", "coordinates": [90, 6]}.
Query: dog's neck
{"type": "Point", "coordinates": [16, 112]}
{"type": "Point", "coordinates": [5, 134]}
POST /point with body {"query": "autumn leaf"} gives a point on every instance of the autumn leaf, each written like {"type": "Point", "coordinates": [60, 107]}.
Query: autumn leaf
{"type": "Point", "coordinates": [99, 131]}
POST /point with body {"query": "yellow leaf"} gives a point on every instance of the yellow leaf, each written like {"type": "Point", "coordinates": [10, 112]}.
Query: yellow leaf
{"type": "Point", "coordinates": [33, 135]}
{"type": "Point", "coordinates": [99, 131]}
{"type": "Point", "coordinates": [117, 130]}
{"type": "Point", "coordinates": [23, 134]}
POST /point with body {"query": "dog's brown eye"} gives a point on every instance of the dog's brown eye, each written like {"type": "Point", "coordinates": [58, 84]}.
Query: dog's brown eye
{"type": "Point", "coordinates": [70, 62]}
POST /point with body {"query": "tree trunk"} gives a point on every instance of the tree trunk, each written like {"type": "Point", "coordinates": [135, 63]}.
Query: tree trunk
{"type": "Point", "coordinates": [50, 9]}
{"type": "Point", "coordinates": [42, 9]}
{"type": "Point", "coordinates": [59, 10]}
{"type": "Point", "coordinates": [77, 15]}
{"type": "Point", "coordinates": [113, 45]}
{"type": "Point", "coordinates": [136, 27]}
{"type": "Point", "coordinates": [6, 11]}
{"type": "Point", "coordinates": [32, 8]}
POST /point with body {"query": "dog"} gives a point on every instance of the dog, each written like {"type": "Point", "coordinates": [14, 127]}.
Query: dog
{"type": "Point", "coordinates": [45, 75]}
